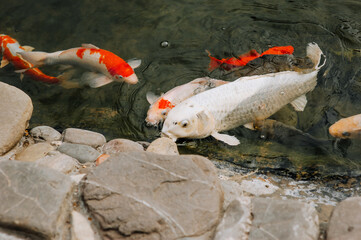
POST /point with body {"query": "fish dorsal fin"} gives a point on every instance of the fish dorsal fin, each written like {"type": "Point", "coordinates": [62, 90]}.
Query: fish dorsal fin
{"type": "Point", "coordinates": [89, 45]}
{"type": "Point", "coordinates": [249, 125]}
{"type": "Point", "coordinates": [28, 48]}
{"type": "Point", "coordinates": [230, 140]}
{"type": "Point", "coordinates": [151, 97]}
{"type": "Point", "coordinates": [4, 62]}
{"type": "Point", "coordinates": [299, 103]}
{"type": "Point", "coordinates": [134, 63]}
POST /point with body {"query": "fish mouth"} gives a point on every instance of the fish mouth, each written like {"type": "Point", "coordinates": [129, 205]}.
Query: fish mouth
{"type": "Point", "coordinates": [168, 135]}
{"type": "Point", "coordinates": [132, 79]}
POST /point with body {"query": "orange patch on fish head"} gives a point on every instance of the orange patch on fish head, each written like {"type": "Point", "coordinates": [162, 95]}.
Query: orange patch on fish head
{"type": "Point", "coordinates": [164, 103]}
{"type": "Point", "coordinates": [347, 127]}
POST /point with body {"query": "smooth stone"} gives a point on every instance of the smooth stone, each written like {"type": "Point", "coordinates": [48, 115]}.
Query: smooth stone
{"type": "Point", "coordinates": [142, 195]}
{"type": "Point", "coordinates": [77, 178]}
{"type": "Point", "coordinates": [283, 219]}
{"type": "Point", "coordinates": [16, 109]}
{"type": "Point", "coordinates": [258, 187]}
{"type": "Point", "coordinates": [164, 146]}
{"type": "Point", "coordinates": [45, 133]}
{"type": "Point", "coordinates": [84, 137]}
{"type": "Point", "coordinates": [60, 162]}
{"type": "Point", "coordinates": [345, 220]}
{"type": "Point", "coordinates": [81, 229]}
{"type": "Point", "coordinates": [121, 145]}
{"type": "Point", "coordinates": [34, 199]}
{"type": "Point", "coordinates": [82, 153]}
{"type": "Point", "coordinates": [34, 152]}
{"type": "Point", "coordinates": [232, 191]}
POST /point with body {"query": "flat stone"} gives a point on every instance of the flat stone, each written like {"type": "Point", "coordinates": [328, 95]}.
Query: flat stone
{"type": "Point", "coordinates": [81, 229]}
{"type": "Point", "coordinates": [34, 199]}
{"type": "Point", "coordinates": [82, 153]}
{"type": "Point", "coordinates": [85, 137]}
{"type": "Point", "coordinates": [258, 187]}
{"type": "Point", "coordinates": [16, 109]}
{"type": "Point", "coordinates": [121, 145]}
{"type": "Point", "coordinates": [60, 162]}
{"type": "Point", "coordinates": [140, 195]}
{"type": "Point", "coordinates": [34, 152]}
{"type": "Point", "coordinates": [283, 220]}
{"type": "Point", "coordinates": [164, 146]}
{"type": "Point", "coordinates": [45, 133]}
{"type": "Point", "coordinates": [231, 190]}
{"type": "Point", "coordinates": [345, 220]}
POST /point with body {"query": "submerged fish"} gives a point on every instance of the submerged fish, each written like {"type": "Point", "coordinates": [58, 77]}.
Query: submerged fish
{"type": "Point", "coordinates": [161, 105]}
{"type": "Point", "coordinates": [104, 66]}
{"type": "Point", "coordinates": [242, 102]}
{"type": "Point", "coordinates": [347, 127]}
{"type": "Point", "coordinates": [10, 49]}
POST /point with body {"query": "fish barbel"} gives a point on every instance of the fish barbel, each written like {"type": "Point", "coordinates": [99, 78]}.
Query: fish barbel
{"type": "Point", "coordinates": [242, 102]}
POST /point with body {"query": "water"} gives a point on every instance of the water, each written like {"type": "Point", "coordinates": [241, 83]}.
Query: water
{"type": "Point", "coordinates": [171, 38]}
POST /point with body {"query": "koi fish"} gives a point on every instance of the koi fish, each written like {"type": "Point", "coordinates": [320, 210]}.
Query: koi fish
{"type": "Point", "coordinates": [104, 66]}
{"type": "Point", "coordinates": [10, 49]}
{"type": "Point", "coordinates": [242, 102]}
{"type": "Point", "coordinates": [161, 105]}
{"type": "Point", "coordinates": [242, 60]}
{"type": "Point", "coordinates": [347, 127]}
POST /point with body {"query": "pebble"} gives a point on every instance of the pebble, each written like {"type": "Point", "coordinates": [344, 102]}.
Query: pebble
{"type": "Point", "coordinates": [85, 137]}
{"type": "Point", "coordinates": [163, 146]}
{"type": "Point", "coordinates": [34, 152]}
{"type": "Point", "coordinates": [82, 153]}
{"type": "Point", "coordinates": [121, 145]}
{"type": "Point", "coordinates": [60, 162]}
{"type": "Point", "coordinates": [45, 133]}
{"type": "Point", "coordinates": [81, 227]}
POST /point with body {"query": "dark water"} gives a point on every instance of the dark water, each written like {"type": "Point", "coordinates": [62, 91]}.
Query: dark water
{"type": "Point", "coordinates": [135, 29]}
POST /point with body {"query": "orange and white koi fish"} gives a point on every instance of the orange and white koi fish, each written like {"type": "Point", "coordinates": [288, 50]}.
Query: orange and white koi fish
{"type": "Point", "coordinates": [161, 105]}
{"type": "Point", "coordinates": [10, 49]}
{"type": "Point", "coordinates": [347, 127]}
{"type": "Point", "coordinates": [104, 66]}
{"type": "Point", "coordinates": [242, 60]}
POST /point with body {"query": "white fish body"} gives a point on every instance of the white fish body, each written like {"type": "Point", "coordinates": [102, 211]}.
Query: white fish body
{"type": "Point", "coordinates": [244, 101]}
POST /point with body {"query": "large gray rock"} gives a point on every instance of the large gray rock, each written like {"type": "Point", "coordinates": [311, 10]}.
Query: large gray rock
{"type": "Point", "coordinates": [283, 220]}
{"type": "Point", "coordinates": [16, 109]}
{"type": "Point", "coordinates": [163, 145]}
{"type": "Point", "coordinates": [34, 152]}
{"type": "Point", "coordinates": [34, 199]}
{"type": "Point", "coordinates": [121, 145]}
{"type": "Point", "coordinates": [82, 153]}
{"type": "Point", "coordinates": [345, 220]}
{"type": "Point", "coordinates": [85, 137]}
{"type": "Point", "coordinates": [140, 195]}
{"type": "Point", "coordinates": [45, 133]}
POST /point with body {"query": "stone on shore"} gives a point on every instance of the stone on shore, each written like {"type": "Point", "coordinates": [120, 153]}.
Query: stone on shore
{"type": "Point", "coordinates": [345, 220]}
{"type": "Point", "coordinates": [121, 145]}
{"type": "Point", "coordinates": [16, 109]}
{"type": "Point", "coordinates": [34, 152]}
{"type": "Point", "coordinates": [60, 162]}
{"type": "Point", "coordinates": [45, 133]}
{"type": "Point", "coordinates": [232, 191]}
{"type": "Point", "coordinates": [34, 199]}
{"type": "Point", "coordinates": [81, 229]}
{"type": "Point", "coordinates": [164, 146]}
{"type": "Point", "coordinates": [140, 195]}
{"type": "Point", "coordinates": [82, 153]}
{"type": "Point", "coordinates": [84, 137]}
{"type": "Point", "coordinates": [283, 219]}
{"type": "Point", "coordinates": [258, 186]}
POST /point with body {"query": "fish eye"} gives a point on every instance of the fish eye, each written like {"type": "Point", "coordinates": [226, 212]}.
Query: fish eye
{"type": "Point", "coordinates": [164, 112]}
{"type": "Point", "coordinates": [175, 123]}
{"type": "Point", "coordinates": [184, 123]}
{"type": "Point", "coordinates": [346, 134]}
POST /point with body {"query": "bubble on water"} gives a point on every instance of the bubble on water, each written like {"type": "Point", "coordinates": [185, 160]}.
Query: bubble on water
{"type": "Point", "coordinates": [164, 44]}
{"type": "Point", "coordinates": [262, 136]}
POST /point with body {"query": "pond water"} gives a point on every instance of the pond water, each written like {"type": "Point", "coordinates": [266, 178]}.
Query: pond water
{"type": "Point", "coordinates": [138, 29]}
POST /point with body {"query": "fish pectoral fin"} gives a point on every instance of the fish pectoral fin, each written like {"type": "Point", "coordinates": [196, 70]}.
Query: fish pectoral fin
{"type": "Point", "coordinates": [89, 45]}
{"type": "Point", "coordinates": [4, 62]}
{"type": "Point", "coordinates": [94, 80]}
{"type": "Point", "coordinates": [151, 97]}
{"type": "Point", "coordinates": [230, 140]}
{"type": "Point", "coordinates": [299, 103]}
{"type": "Point", "coordinates": [134, 62]}
{"type": "Point", "coordinates": [249, 125]}
{"type": "Point", "coordinates": [28, 48]}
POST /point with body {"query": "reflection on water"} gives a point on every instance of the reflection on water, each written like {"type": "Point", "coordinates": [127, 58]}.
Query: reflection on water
{"type": "Point", "coordinates": [226, 28]}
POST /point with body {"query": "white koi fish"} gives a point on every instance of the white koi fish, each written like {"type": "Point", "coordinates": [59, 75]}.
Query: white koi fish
{"type": "Point", "coordinates": [161, 105]}
{"type": "Point", "coordinates": [242, 102]}
{"type": "Point", "coordinates": [104, 66]}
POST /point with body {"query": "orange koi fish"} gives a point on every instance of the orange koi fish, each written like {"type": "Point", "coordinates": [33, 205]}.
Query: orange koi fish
{"type": "Point", "coordinates": [104, 66]}
{"type": "Point", "coordinates": [242, 60]}
{"type": "Point", "coordinates": [347, 127]}
{"type": "Point", "coordinates": [10, 49]}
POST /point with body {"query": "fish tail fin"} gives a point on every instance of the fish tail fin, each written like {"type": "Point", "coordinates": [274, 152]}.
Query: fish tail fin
{"type": "Point", "coordinates": [64, 80]}
{"type": "Point", "coordinates": [214, 63]}
{"type": "Point", "coordinates": [314, 53]}
{"type": "Point", "coordinates": [35, 58]}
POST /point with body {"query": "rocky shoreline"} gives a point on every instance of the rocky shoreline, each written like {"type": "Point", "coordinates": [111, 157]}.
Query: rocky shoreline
{"type": "Point", "coordinates": [78, 185]}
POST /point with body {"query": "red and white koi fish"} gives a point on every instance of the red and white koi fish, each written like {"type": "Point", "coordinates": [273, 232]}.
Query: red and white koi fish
{"type": "Point", "coordinates": [242, 60]}
{"type": "Point", "coordinates": [10, 49]}
{"type": "Point", "coordinates": [161, 105]}
{"type": "Point", "coordinates": [347, 127]}
{"type": "Point", "coordinates": [104, 66]}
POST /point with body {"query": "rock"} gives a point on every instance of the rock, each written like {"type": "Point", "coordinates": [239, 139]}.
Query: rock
{"type": "Point", "coordinates": [6, 234]}
{"type": "Point", "coordinates": [101, 159]}
{"type": "Point", "coordinates": [121, 145]}
{"type": "Point", "coordinates": [81, 229]}
{"type": "Point", "coordinates": [237, 220]}
{"type": "Point", "coordinates": [16, 109]}
{"type": "Point", "coordinates": [164, 146]}
{"type": "Point", "coordinates": [77, 178]}
{"type": "Point", "coordinates": [258, 187]}
{"type": "Point", "coordinates": [140, 195]}
{"type": "Point", "coordinates": [231, 192]}
{"type": "Point", "coordinates": [345, 220]}
{"type": "Point", "coordinates": [85, 137]}
{"type": "Point", "coordinates": [45, 133]}
{"type": "Point", "coordinates": [283, 219]}
{"type": "Point", "coordinates": [60, 162]}
{"type": "Point", "coordinates": [82, 153]}
{"type": "Point", "coordinates": [34, 152]}
{"type": "Point", "coordinates": [34, 199]}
